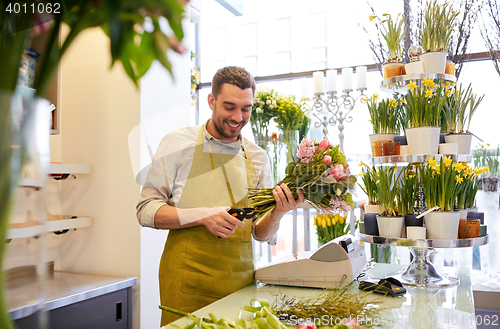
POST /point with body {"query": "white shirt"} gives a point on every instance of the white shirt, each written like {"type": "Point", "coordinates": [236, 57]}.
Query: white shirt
{"type": "Point", "coordinates": [172, 163]}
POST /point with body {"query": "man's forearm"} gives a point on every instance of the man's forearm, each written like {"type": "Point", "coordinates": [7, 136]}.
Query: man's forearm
{"type": "Point", "coordinates": [268, 226]}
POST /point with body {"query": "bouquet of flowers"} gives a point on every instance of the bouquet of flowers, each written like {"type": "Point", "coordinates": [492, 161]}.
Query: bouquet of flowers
{"type": "Point", "coordinates": [329, 227]}
{"type": "Point", "coordinates": [265, 105]}
{"type": "Point", "coordinates": [321, 172]}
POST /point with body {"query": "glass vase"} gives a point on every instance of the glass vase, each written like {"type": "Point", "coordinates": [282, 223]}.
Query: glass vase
{"type": "Point", "coordinates": [290, 139]}
{"type": "Point", "coordinates": [261, 135]}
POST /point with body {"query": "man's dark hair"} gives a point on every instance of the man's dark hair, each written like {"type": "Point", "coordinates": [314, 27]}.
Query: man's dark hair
{"type": "Point", "coordinates": [234, 75]}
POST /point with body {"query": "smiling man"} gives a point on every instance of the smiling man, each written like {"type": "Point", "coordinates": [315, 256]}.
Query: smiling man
{"type": "Point", "coordinates": [197, 175]}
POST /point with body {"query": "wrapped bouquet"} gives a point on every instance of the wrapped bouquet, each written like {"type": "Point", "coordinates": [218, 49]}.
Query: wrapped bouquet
{"type": "Point", "coordinates": [321, 172]}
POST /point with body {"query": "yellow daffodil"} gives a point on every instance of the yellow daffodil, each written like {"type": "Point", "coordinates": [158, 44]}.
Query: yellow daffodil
{"type": "Point", "coordinates": [375, 97]}
{"type": "Point", "coordinates": [371, 18]}
{"type": "Point", "coordinates": [429, 83]}
{"type": "Point", "coordinates": [402, 101]}
{"type": "Point", "coordinates": [447, 92]}
{"type": "Point", "coordinates": [428, 93]}
{"type": "Point", "coordinates": [487, 144]}
{"type": "Point", "coordinates": [447, 161]}
{"type": "Point", "coordinates": [459, 179]}
{"type": "Point", "coordinates": [437, 169]}
{"type": "Point", "coordinates": [458, 167]}
{"type": "Point", "coordinates": [448, 84]}
{"type": "Point", "coordinates": [393, 103]}
{"type": "Point", "coordinates": [431, 161]}
{"type": "Point", "coordinates": [412, 85]}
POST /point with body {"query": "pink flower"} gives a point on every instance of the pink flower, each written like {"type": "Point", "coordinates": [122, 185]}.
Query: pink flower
{"type": "Point", "coordinates": [340, 205]}
{"type": "Point", "coordinates": [327, 160]}
{"type": "Point", "coordinates": [337, 171]}
{"type": "Point", "coordinates": [306, 150]}
{"type": "Point", "coordinates": [306, 325]}
{"type": "Point", "coordinates": [323, 145]}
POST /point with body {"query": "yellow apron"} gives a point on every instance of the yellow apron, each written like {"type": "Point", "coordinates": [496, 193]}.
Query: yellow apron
{"type": "Point", "coordinates": [197, 268]}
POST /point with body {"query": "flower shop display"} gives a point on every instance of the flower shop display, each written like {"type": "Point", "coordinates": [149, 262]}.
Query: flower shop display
{"type": "Point", "coordinates": [390, 224]}
{"type": "Point", "coordinates": [330, 226]}
{"type": "Point", "coordinates": [385, 117]}
{"type": "Point", "coordinates": [321, 172]}
{"type": "Point", "coordinates": [393, 33]}
{"type": "Point", "coordinates": [438, 23]}
{"type": "Point", "coordinates": [459, 107]}
{"type": "Point", "coordinates": [423, 110]}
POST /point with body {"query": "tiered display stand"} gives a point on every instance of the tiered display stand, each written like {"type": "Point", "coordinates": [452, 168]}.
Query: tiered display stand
{"type": "Point", "coordinates": [421, 272]}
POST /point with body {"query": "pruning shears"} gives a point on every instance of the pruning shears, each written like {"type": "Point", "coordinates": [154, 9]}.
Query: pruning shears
{"type": "Point", "coordinates": [242, 213]}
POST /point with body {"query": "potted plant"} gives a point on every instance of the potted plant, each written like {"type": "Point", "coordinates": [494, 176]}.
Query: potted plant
{"type": "Point", "coordinates": [459, 107]}
{"type": "Point", "coordinates": [441, 183]}
{"type": "Point", "coordinates": [423, 109]}
{"type": "Point", "coordinates": [330, 227]}
{"type": "Point", "coordinates": [408, 190]}
{"type": "Point", "coordinates": [393, 33]}
{"type": "Point", "coordinates": [438, 23]}
{"type": "Point", "coordinates": [390, 224]}
{"type": "Point", "coordinates": [385, 117]}
{"type": "Point", "coordinates": [369, 176]}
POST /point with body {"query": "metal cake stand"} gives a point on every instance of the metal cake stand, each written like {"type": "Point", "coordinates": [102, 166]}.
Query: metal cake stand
{"type": "Point", "coordinates": [421, 272]}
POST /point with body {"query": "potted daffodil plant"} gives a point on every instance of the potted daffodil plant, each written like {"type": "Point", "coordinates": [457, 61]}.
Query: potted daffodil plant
{"type": "Point", "coordinates": [442, 182]}
{"type": "Point", "coordinates": [393, 33]}
{"type": "Point", "coordinates": [390, 224]}
{"type": "Point", "coordinates": [438, 24]}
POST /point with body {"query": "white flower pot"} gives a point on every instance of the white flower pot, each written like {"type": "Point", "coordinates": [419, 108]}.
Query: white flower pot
{"type": "Point", "coordinates": [372, 209]}
{"type": "Point", "coordinates": [434, 61]}
{"type": "Point", "coordinates": [463, 140]}
{"type": "Point", "coordinates": [472, 209]}
{"type": "Point", "coordinates": [442, 224]}
{"type": "Point", "coordinates": [423, 140]}
{"type": "Point", "coordinates": [381, 137]}
{"type": "Point", "coordinates": [414, 67]}
{"type": "Point", "coordinates": [416, 232]}
{"type": "Point", "coordinates": [390, 227]}
{"type": "Point", "coordinates": [448, 148]}
{"type": "Point", "coordinates": [463, 213]}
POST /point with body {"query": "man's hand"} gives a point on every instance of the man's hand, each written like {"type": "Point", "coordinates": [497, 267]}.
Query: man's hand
{"type": "Point", "coordinates": [222, 224]}
{"type": "Point", "coordinates": [284, 199]}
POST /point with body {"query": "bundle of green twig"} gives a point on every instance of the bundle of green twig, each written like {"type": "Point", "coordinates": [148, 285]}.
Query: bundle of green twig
{"type": "Point", "coordinates": [329, 307]}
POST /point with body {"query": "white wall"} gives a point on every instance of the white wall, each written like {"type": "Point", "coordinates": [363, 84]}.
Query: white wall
{"type": "Point", "coordinates": [99, 106]}
{"type": "Point", "coordinates": [165, 106]}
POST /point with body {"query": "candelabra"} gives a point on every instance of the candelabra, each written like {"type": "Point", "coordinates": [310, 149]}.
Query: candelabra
{"type": "Point", "coordinates": [336, 109]}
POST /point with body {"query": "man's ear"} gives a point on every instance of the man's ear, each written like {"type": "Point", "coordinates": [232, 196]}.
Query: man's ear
{"type": "Point", "coordinates": [211, 101]}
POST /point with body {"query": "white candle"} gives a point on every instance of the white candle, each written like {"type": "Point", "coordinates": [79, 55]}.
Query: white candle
{"type": "Point", "coordinates": [304, 92]}
{"type": "Point", "coordinates": [347, 78]}
{"type": "Point", "coordinates": [361, 73]}
{"type": "Point", "coordinates": [319, 83]}
{"type": "Point", "coordinates": [331, 81]}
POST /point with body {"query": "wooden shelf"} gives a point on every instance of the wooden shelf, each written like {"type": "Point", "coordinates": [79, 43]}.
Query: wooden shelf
{"type": "Point", "coordinates": [53, 224]}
